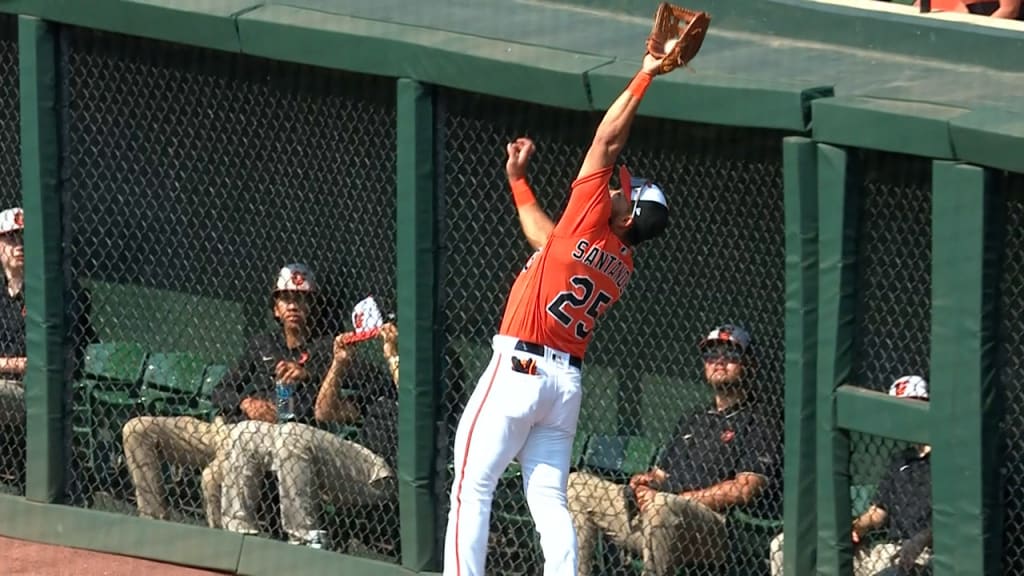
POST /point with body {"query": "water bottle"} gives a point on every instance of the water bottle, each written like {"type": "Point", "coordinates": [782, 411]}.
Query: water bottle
{"type": "Point", "coordinates": [285, 401]}
{"type": "Point", "coordinates": [284, 391]}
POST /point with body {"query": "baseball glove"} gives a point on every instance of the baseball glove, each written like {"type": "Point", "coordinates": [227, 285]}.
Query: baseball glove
{"type": "Point", "coordinates": [677, 35]}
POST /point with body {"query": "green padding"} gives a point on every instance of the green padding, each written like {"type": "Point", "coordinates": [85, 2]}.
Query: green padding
{"type": "Point", "coordinates": [119, 534]}
{"type": "Point", "coordinates": [713, 98]}
{"type": "Point", "coordinates": [197, 22]}
{"type": "Point", "coordinates": [44, 273]}
{"type": "Point", "coordinates": [966, 394]}
{"type": "Point", "coordinates": [879, 414]}
{"type": "Point", "coordinates": [500, 68]}
{"type": "Point", "coordinates": [990, 138]}
{"type": "Point", "coordinates": [895, 126]}
{"type": "Point", "coordinates": [838, 195]}
{"type": "Point", "coordinates": [417, 249]}
{"type": "Point", "coordinates": [799, 173]}
{"type": "Point", "coordinates": [262, 557]}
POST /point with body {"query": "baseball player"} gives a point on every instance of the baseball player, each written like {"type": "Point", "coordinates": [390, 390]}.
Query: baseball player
{"type": "Point", "coordinates": [526, 403]}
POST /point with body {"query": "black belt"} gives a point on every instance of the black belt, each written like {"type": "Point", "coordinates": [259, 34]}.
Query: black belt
{"type": "Point", "coordinates": [531, 348]}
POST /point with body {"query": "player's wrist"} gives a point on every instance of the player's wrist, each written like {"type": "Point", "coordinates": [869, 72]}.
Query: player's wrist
{"type": "Point", "coordinates": [522, 194]}
{"type": "Point", "coordinates": [638, 85]}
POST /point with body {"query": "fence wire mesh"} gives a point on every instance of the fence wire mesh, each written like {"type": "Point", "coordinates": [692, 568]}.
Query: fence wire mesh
{"type": "Point", "coordinates": [194, 178]}
{"type": "Point", "coordinates": [1011, 336]}
{"type": "Point", "coordinates": [721, 261]}
{"type": "Point", "coordinates": [894, 287]}
{"type": "Point", "coordinates": [12, 403]}
{"type": "Point", "coordinates": [891, 498]}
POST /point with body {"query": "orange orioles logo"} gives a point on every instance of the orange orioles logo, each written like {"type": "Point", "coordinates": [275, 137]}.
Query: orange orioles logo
{"type": "Point", "coordinates": [298, 279]}
{"type": "Point", "coordinates": [359, 320]}
{"type": "Point", "coordinates": [901, 387]}
{"type": "Point", "coordinates": [19, 218]}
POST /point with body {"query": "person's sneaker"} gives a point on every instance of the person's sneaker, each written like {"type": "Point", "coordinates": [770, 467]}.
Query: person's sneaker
{"type": "Point", "coordinates": [312, 539]}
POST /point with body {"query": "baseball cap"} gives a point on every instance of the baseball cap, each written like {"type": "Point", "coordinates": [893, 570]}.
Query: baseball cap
{"type": "Point", "coordinates": [650, 210]}
{"type": "Point", "coordinates": [727, 333]}
{"type": "Point", "coordinates": [295, 277]}
{"type": "Point", "coordinates": [12, 220]}
{"type": "Point", "coordinates": [909, 387]}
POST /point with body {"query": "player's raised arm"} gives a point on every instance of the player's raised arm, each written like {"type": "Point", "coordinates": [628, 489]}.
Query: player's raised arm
{"type": "Point", "coordinates": [613, 131]}
{"type": "Point", "coordinates": [535, 222]}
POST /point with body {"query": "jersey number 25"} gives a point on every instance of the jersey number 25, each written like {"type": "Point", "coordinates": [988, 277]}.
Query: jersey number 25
{"type": "Point", "coordinates": [583, 309]}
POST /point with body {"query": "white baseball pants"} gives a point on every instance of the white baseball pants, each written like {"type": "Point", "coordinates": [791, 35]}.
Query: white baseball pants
{"type": "Point", "coordinates": [531, 418]}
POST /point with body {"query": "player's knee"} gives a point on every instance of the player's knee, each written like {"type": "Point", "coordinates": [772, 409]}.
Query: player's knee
{"type": "Point", "coordinates": [576, 484]}
{"type": "Point", "coordinates": [134, 429]}
{"type": "Point", "coordinates": [540, 497]}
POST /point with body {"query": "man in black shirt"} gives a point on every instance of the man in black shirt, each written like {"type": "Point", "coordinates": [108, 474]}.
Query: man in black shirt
{"type": "Point", "coordinates": [903, 500]}
{"type": "Point", "coordinates": [247, 392]}
{"type": "Point", "coordinates": [12, 335]}
{"type": "Point", "coordinates": [725, 456]}
{"type": "Point", "coordinates": [314, 465]}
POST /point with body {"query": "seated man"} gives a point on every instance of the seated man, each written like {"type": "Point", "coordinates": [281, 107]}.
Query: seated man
{"type": "Point", "coordinates": [12, 342]}
{"type": "Point", "coordinates": [288, 355]}
{"type": "Point", "coordinates": [728, 455]}
{"type": "Point", "coordinates": [315, 465]}
{"type": "Point", "coordinates": [903, 500]}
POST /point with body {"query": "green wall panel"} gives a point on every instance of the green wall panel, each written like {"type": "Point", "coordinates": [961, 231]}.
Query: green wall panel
{"type": "Point", "coordinates": [915, 128]}
{"type": "Point", "coordinates": [198, 22]}
{"type": "Point", "coordinates": [990, 138]}
{"type": "Point", "coordinates": [965, 388]}
{"type": "Point", "coordinates": [554, 77]}
{"type": "Point", "coordinates": [879, 414]}
{"type": "Point", "coordinates": [800, 499]}
{"type": "Point", "coordinates": [713, 98]}
{"type": "Point", "coordinates": [119, 534]}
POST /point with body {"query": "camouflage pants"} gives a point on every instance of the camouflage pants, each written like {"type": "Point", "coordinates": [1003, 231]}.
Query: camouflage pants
{"type": "Point", "coordinates": [312, 466]}
{"type": "Point", "coordinates": [184, 441]}
{"type": "Point", "coordinates": [670, 532]}
{"type": "Point", "coordinates": [12, 406]}
{"type": "Point", "coordinates": [867, 560]}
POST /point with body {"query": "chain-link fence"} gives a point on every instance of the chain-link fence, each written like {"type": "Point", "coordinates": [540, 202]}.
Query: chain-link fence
{"type": "Point", "coordinates": [193, 178]}
{"type": "Point", "coordinates": [1011, 335]}
{"type": "Point", "coordinates": [721, 261]}
{"type": "Point", "coordinates": [894, 276]}
{"type": "Point", "coordinates": [12, 324]}
{"type": "Point", "coordinates": [893, 333]}
{"type": "Point", "coordinates": [891, 505]}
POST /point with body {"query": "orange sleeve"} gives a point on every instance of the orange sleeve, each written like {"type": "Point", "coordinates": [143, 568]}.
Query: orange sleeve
{"type": "Point", "coordinates": [589, 204]}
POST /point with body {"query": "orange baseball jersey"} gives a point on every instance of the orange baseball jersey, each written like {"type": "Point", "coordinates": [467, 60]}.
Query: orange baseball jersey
{"type": "Point", "coordinates": [575, 277]}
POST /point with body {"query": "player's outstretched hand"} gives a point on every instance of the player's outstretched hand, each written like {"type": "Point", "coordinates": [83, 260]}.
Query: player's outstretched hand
{"type": "Point", "coordinates": [519, 153]}
{"type": "Point", "coordinates": [652, 64]}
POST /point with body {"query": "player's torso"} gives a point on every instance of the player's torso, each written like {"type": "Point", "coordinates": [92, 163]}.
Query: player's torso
{"type": "Point", "coordinates": [565, 288]}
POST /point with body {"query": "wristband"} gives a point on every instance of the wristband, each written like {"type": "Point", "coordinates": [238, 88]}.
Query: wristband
{"type": "Point", "coordinates": [638, 85]}
{"type": "Point", "coordinates": [521, 193]}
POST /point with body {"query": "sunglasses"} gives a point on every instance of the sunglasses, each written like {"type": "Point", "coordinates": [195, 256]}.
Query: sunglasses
{"type": "Point", "coordinates": [727, 353]}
